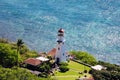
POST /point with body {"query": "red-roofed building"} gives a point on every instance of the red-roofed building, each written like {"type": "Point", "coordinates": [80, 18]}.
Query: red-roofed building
{"type": "Point", "coordinates": [52, 53]}
{"type": "Point", "coordinates": [32, 61]}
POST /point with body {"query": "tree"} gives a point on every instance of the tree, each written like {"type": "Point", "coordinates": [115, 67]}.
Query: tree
{"type": "Point", "coordinates": [44, 67]}
{"type": "Point", "coordinates": [106, 74]}
{"type": "Point", "coordinates": [84, 57]}
{"type": "Point", "coordinates": [110, 67]}
{"type": "Point", "coordinates": [8, 57]}
{"type": "Point", "coordinates": [19, 45]}
{"type": "Point", "coordinates": [12, 54]}
{"type": "Point", "coordinates": [63, 66]}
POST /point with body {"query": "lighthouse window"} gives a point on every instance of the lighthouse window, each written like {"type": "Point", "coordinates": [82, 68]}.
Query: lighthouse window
{"type": "Point", "coordinates": [58, 48]}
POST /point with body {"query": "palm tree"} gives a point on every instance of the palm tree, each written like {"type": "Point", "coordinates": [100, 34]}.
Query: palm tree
{"type": "Point", "coordinates": [19, 45]}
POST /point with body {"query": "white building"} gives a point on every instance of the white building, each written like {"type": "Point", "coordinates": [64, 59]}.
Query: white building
{"type": "Point", "coordinates": [98, 67]}
{"type": "Point", "coordinates": [61, 55]}
{"type": "Point", "coordinates": [42, 59]}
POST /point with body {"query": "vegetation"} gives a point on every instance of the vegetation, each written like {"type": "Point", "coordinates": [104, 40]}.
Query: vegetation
{"type": "Point", "coordinates": [63, 64]}
{"type": "Point", "coordinates": [44, 67]}
{"type": "Point", "coordinates": [84, 57]}
{"type": "Point", "coordinates": [76, 70]}
{"type": "Point", "coordinates": [63, 67]}
{"type": "Point", "coordinates": [13, 53]}
{"type": "Point", "coordinates": [19, 45]}
{"type": "Point", "coordinates": [8, 57]}
{"type": "Point", "coordinates": [111, 73]}
{"type": "Point", "coordinates": [17, 74]}
{"type": "Point", "coordinates": [110, 67]}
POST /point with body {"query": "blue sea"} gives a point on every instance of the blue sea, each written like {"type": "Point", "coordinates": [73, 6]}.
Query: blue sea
{"type": "Point", "coordinates": [90, 25]}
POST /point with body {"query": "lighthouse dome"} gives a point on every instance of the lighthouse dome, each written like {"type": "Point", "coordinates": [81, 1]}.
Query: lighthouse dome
{"type": "Point", "coordinates": [61, 30]}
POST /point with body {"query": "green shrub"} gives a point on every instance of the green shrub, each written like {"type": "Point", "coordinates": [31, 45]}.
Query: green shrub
{"type": "Point", "coordinates": [8, 57]}
{"type": "Point", "coordinates": [63, 68]}
{"type": "Point", "coordinates": [85, 71]}
{"type": "Point", "coordinates": [16, 74]}
{"type": "Point", "coordinates": [63, 64]}
{"type": "Point", "coordinates": [44, 67]}
{"type": "Point", "coordinates": [84, 57]}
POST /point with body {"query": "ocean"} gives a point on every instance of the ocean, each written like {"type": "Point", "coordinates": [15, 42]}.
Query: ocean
{"type": "Point", "coordinates": [90, 25]}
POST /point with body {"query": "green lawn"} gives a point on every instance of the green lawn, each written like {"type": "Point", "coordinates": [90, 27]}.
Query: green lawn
{"type": "Point", "coordinates": [73, 73]}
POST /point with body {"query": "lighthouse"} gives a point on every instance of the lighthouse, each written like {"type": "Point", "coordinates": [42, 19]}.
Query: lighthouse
{"type": "Point", "coordinates": [61, 55]}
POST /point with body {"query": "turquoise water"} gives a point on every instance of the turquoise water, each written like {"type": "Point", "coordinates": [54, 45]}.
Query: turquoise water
{"type": "Point", "coordinates": [90, 25]}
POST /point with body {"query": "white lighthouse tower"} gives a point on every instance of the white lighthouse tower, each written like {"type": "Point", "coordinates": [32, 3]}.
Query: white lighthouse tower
{"type": "Point", "coordinates": [61, 55]}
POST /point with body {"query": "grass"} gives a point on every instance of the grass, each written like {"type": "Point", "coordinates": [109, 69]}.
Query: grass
{"type": "Point", "coordinates": [77, 66]}
{"type": "Point", "coordinates": [73, 73]}
{"type": "Point", "coordinates": [64, 78]}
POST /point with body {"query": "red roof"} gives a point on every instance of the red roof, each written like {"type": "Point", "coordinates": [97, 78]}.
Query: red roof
{"type": "Point", "coordinates": [32, 61]}
{"type": "Point", "coordinates": [61, 30]}
{"type": "Point", "coordinates": [52, 52]}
